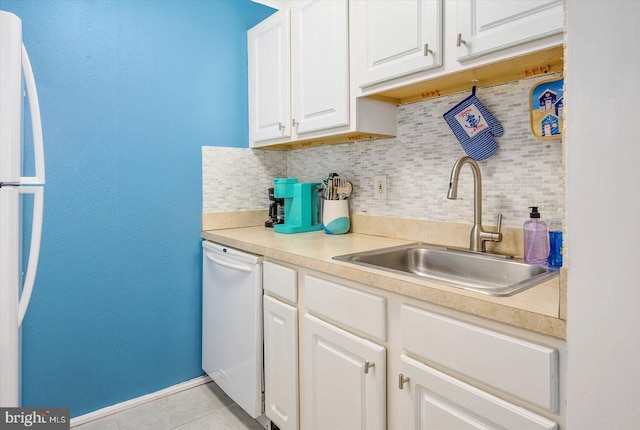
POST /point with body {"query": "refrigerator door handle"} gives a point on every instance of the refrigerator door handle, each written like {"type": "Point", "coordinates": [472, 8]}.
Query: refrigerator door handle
{"type": "Point", "coordinates": [36, 122]}
{"type": "Point", "coordinates": [34, 249]}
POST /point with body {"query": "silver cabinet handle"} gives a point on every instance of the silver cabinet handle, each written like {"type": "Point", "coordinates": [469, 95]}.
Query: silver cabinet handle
{"type": "Point", "coordinates": [401, 380]}
{"type": "Point", "coordinates": [368, 365]}
{"type": "Point", "coordinates": [460, 40]}
{"type": "Point", "coordinates": [280, 126]}
{"type": "Point", "coordinates": [427, 51]}
{"type": "Point", "coordinates": [294, 123]}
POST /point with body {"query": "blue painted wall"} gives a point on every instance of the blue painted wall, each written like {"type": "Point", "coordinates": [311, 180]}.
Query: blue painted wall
{"type": "Point", "coordinates": [129, 91]}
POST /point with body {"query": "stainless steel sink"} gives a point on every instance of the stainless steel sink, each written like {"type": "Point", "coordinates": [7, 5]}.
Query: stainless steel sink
{"type": "Point", "coordinates": [484, 273]}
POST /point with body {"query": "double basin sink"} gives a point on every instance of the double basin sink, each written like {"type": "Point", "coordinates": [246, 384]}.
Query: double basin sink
{"type": "Point", "coordinates": [480, 272]}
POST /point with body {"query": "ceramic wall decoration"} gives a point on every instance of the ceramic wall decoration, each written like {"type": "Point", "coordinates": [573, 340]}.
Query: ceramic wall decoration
{"type": "Point", "coordinates": [546, 105]}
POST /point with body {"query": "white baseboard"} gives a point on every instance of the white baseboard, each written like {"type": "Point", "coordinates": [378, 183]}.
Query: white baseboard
{"type": "Point", "coordinates": [119, 407]}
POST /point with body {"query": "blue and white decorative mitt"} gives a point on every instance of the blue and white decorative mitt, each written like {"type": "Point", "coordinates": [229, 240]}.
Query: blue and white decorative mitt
{"type": "Point", "coordinates": [475, 127]}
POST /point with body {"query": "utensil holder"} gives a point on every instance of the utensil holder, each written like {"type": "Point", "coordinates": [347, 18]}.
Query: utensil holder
{"type": "Point", "coordinates": [335, 216]}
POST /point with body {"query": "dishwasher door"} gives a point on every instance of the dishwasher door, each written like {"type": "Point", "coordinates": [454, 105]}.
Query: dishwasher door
{"type": "Point", "coordinates": [232, 323]}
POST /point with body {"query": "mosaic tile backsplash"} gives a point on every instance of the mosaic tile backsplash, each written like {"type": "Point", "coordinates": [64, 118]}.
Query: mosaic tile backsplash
{"type": "Point", "coordinates": [417, 164]}
{"type": "Point", "coordinates": [236, 179]}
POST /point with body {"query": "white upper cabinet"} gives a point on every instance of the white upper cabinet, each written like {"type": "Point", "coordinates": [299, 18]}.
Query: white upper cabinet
{"type": "Point", "coordinates": [301, 80]}
{"type": "Point", "coordinates": [398, 38]}
{"type": "Point", "coordinates": [415, 49]}
{"type": "Point", "coordinates": [269, 78]}
{"type": "Point", "coordinates": [486, 26]}
{"type": "Point", "coordinates": [320, 49]}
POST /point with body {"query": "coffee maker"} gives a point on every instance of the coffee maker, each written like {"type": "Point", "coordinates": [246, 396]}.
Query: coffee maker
{"type": "Point", "coordinates": [301, 205]}
{"type": "Point", "coordinates": [276, 210]}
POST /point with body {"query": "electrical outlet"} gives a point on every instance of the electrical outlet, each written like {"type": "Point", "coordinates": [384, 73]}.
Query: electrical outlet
{"type": "Point", "coordinates": [380, 187]}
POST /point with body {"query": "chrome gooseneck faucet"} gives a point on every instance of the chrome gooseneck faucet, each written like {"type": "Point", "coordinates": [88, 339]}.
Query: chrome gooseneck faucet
{"type": "Point", "coordinates": [478, 235]}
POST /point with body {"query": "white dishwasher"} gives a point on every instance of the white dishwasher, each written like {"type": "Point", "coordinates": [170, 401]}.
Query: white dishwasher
{"type": "Point", "coordinates": [232, 323]}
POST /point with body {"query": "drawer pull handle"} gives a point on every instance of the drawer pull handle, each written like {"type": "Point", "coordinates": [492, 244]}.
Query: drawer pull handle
{"type": "Point", "coordinates": [427, 51]}
{"type": "Point", "coordinates": [281, 126]}
{"type": "Point", "coordinates": [368, 365]}
{"type": "Point", "coordinates": [460, 40]}
{"type": "Point", "coordinates": [401, 380]}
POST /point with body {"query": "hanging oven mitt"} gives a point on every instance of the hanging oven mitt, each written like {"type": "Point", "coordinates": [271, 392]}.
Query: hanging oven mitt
{"type": "Point", "coordinates": [475, 127]}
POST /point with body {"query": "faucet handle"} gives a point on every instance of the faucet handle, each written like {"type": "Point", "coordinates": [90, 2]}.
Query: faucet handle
{"type": "Point", "coordinates": [497, 236]}
{"type": "Point", "coordinates": [491, 236]}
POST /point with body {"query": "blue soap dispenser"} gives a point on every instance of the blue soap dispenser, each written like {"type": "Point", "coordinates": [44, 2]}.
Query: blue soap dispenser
{"type": "Point", "coordinates": [555, 243]}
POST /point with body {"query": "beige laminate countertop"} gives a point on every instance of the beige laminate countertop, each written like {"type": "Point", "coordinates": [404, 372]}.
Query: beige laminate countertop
{"type": "Point", "coordinates": [536, 309]}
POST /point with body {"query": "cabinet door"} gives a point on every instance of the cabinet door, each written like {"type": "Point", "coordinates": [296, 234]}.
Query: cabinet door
{"type": "Point", "coordinates": [344, 379]}
{"type": "Point", "coordinates": [398, 38]}
{"type": "Point", "coordinates": [281, 363]}
{"type": "Point", "coordinates": [320, 64]}
{"type": "Point", "coordinates": [487, 26]}
{"type": "Point", "coordinates": [270, 78]}
{"type": "Point", "coordinates": [432, 400]}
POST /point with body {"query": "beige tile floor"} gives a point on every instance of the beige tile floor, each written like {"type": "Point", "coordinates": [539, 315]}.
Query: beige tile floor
{"type": "Point", "coordinates": [204, 407]}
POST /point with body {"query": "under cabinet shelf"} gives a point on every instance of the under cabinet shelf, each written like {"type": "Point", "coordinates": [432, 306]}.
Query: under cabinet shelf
{"type": "Point", "coordinates": [539, 63]}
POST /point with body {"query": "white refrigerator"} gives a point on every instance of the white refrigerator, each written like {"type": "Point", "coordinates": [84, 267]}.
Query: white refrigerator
{"type": "Point", "coordinates": [16, 82]}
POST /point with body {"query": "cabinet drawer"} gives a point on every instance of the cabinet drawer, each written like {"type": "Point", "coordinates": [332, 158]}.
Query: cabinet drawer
{"type": "Point", "coordinates": [517, 367]}
{"type": "Point", "coordinates": [361, 311]}
{"type": "Point", "coordinates": [281, 281]}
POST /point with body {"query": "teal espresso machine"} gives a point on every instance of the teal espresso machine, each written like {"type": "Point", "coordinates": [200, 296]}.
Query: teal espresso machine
{"type": "Point", "coordinates": [301, 205]}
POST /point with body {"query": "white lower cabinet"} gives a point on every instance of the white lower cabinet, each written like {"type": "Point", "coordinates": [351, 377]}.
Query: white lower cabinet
{"type": "Point", "coordinates": [345, 379]}
{"type": "Point", "coordinates": [281, 392]}
{"type": "Point", "coordinates": [432, 400]}
{"type": "Point", "coordinates": [524, 369]}
{"type": "Point", "coordinates": [281, 363]}
{"type": "Point", "coordinates": [328, 368]}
